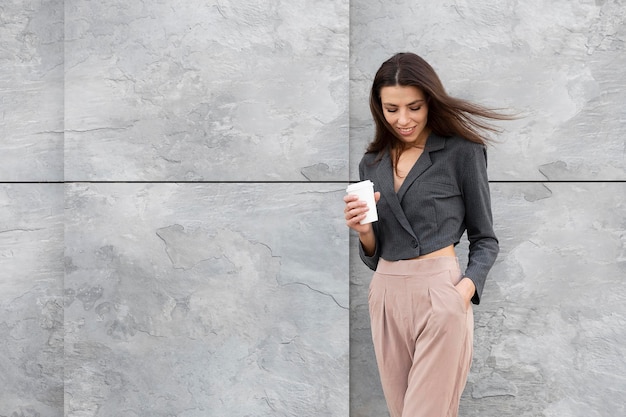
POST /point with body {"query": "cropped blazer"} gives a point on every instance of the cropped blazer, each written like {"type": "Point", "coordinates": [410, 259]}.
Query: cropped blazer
{"type": "Point", "coordinates": [444, 194]}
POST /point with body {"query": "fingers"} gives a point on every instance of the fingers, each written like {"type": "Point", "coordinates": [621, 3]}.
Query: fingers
{"type": "Point", "coordinates": [354, 216]}
{"type": "Point", "coordinates": [355, 211]}
{"type": "Point", "coordinates": [352, 201]}
{"type": "Point", "coordinates": [354, 208]}
{"type": "Point", "coordinates": [350, 197]}
{"type": "Point", "coordinates": [354, 223]}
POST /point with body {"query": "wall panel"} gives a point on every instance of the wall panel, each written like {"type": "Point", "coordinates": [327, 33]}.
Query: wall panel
{"type": "Point", "coordinates": [550, 336]}
{"type": "Point", "coordinates": [557, 64]}
{"type": "Point", "coordinates": [206, 299]}
{"type": "Point", "coordinates": [31, 90]}
{"type": "Point", "coordinates": [214, 91]}
{"type": "Point", "coordinates": [31, 300]}
{"type": "Point", "coordinates": [549, 332]}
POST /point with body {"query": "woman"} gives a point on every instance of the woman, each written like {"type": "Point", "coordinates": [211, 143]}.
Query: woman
{"type": "Point", "coordinates": [429, 169]}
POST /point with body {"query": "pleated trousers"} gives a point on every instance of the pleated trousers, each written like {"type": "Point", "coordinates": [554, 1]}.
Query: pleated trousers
{"type": "Point", "coordinates": [422, 335]}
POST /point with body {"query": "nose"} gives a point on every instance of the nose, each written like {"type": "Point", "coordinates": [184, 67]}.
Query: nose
{"type": "Point", "coordinates": [403, 117]}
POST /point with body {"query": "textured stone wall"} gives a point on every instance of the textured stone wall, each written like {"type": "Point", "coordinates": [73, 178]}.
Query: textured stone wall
{"type": "Point", "coordinates": [198, 153]}
{"type": "Point", "coordinates": [31, 208]}
{"type": "Point", "coordinates": [171, 174]}
{"type": "Point", "coordinates": [31, 85]}
{"type": "Point", "coordinates": [217, 91]}
{"type": "Point", "coordinates": [205, 300]}
{"type": "Point", "coordinates": [550, 331]}
{"type": "Point", "coordinates": [31, 300]}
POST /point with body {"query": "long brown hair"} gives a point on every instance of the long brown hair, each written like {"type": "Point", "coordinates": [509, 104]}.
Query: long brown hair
{"type": "Point", "coordinates": [447, 116]}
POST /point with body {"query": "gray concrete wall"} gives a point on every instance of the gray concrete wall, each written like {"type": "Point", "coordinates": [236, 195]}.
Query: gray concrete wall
{"type": "Point", "coordinates": [550, 331]}
{"type": "Point", "coordinates": [199, 152]}
{"type": "Point", "coordinates": [205, 300]}
{"type": "Point", "coordinates": [171, 238]}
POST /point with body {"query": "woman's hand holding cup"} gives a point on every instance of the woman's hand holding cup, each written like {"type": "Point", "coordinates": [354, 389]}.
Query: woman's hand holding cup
{"type": "Point", "coordinates": [356, 210]}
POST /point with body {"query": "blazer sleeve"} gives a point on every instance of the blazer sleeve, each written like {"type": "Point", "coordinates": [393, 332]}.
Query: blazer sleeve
{"type": "Point", "coordinates": [483, 244]}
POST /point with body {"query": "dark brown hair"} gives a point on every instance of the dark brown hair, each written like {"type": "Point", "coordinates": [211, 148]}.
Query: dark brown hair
{"type": "Point", "coordinates": [447, 116]}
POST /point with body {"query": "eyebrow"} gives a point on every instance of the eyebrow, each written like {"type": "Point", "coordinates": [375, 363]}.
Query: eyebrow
{"type": "Point", "coordinates": [409, 105]}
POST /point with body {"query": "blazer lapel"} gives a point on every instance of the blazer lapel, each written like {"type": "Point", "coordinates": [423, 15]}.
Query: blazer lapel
{"type": "Point", "coordinates": [433, 143]}
{"type": "Point", "coordinates": [385, 176]}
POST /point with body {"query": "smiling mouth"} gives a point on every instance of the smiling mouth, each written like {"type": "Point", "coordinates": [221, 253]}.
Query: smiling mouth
{"type": "Point", "coordinates": [406, 131]}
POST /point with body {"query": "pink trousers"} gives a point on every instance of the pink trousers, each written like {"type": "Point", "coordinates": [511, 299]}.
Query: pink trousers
{"type": "Point", "coordinates": [422, 335]}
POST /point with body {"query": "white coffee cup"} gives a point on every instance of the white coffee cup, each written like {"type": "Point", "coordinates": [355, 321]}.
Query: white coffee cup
{"type": "Point", "coordinates": [365, 191]}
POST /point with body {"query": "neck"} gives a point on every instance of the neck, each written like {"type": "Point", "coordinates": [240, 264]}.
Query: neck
{"type": "Point", "coordinates": [420, 142]}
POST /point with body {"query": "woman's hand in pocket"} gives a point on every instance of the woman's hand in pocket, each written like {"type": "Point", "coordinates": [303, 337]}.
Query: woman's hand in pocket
{"type": "Point", "coordinates": [467, 289]}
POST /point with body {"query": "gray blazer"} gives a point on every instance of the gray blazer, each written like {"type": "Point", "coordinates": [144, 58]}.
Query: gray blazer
{"type": "Point", "coordinates": [445, 193]}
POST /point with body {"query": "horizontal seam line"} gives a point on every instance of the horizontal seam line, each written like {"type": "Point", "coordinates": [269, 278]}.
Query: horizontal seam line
{"type": "Point", "coordinates": [298, 182]}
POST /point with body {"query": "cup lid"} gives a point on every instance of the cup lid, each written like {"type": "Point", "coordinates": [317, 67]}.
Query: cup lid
{"type": "Point", "coordinates": [359, 185]}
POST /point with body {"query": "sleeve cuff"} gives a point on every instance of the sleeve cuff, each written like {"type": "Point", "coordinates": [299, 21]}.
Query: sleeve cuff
{"type": "Point", "coordinates": [370, 261]}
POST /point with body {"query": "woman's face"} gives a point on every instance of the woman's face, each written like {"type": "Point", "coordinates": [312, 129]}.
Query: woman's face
{"type": "Point", "coordinates": [406, 110]}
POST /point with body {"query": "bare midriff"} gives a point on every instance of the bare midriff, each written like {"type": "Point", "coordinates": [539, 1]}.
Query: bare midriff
{"type": "Point", "coordinates": [447, 251]}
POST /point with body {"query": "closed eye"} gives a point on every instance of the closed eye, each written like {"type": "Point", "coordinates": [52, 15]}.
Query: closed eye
{"type": "Point", "coordinates": [393, 110]}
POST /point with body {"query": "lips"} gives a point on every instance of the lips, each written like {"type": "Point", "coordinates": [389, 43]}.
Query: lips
{"type": "Point", "coordinates": [406, 131]}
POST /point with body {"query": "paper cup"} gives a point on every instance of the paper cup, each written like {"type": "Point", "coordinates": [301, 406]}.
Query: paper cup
{"type": "Point", "coordinates": [365, 191]}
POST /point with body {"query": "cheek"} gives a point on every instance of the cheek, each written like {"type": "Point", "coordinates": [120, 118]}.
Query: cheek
{"type": "Point", "coordinates": [388, 118]}
{"type": "Point", "coordinates": [422, 117]}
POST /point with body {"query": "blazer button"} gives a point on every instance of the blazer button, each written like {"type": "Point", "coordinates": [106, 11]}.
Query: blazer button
{"type": "Point", "coordinates": [414, 243]}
